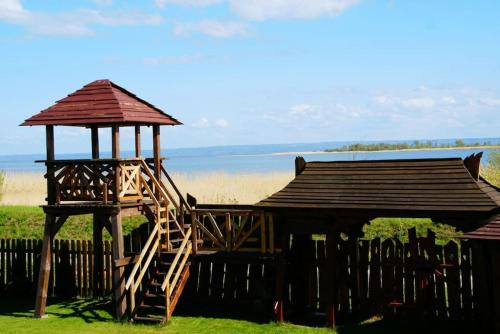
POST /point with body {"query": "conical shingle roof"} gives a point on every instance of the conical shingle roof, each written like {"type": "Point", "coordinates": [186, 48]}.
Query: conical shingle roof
{"type": "Point", "coordinates": [101, 102]}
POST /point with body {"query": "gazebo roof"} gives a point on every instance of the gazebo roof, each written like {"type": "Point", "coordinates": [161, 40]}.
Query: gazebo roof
{"type": "Point", "coordinates": [101, 103]}
{"type": "Point", "coordinates": [425, 185]}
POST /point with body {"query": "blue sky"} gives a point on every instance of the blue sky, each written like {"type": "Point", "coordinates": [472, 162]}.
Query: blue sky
{"type": "Point", "coordinates": [261, 71]}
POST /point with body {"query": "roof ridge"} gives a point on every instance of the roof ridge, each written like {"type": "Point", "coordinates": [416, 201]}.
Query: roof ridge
{"type": "Point", "coordinates": [101, 102]}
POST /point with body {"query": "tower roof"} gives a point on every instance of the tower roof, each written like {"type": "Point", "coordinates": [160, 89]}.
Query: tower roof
{"type": "Point", "coordinates": [101, 103]}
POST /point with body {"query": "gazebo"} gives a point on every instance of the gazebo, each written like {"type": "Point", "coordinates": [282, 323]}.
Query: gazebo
{"type": "Point", "coordinates": [337, 197]}
{"type": "Point", "coordinates": [108, 188]}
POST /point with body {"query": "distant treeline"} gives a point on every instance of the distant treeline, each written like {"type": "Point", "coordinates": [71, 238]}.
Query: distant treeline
{"type": "Point", "coordinates": [405, 146]}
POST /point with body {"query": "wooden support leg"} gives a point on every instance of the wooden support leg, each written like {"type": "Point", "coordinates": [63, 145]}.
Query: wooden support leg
{"type": "Point", "coordinates": [44, 274]}
{"type": "Point", "coordinates": [280, 278]}
{"type": "Point", "coordinates": [331, 299]}
{"type": "Point", "coordinates": [118, 272]}
{"type": "Point", "coordinates": [98, 256]}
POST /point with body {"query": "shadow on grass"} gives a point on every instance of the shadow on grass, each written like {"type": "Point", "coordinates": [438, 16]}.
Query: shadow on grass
{"type": "Point", "coordinates": [88, 310]}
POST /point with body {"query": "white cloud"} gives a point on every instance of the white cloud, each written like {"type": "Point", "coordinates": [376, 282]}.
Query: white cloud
{"type": "Point", "coordinates": [201, 123]}
{"type": "Point", "coordinates": [197, 3]}
{"type": "Point", "coordinates": [414, 103]}
{"type": "Point", "coordinates": [301, 109]}
{"type": "Point", "coordinates": [490, 102]}
{"type": "Point", "coordinates": [221, 123]}
{"type": "Point", "coordinates": [213, 28]}
{"type": "Point", "coordinates": [70, 23]}
{"type": "Point", "coordinates": [293, 9]}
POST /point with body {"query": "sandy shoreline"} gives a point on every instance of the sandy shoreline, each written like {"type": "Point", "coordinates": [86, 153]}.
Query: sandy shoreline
{"type": "Point", "coordinates": [489, 147]}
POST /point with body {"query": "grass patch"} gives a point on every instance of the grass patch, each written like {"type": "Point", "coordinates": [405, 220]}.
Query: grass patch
{"type": "Point", "coordinates": [385, 228]}
{"type": "Point", "coordinates": [19, 222]}
{"type": "Point", "coordinates": [93, 316]}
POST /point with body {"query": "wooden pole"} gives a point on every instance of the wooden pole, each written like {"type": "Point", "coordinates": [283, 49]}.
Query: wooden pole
{"type": "Point", "coordinates": [156, 150]}
{"type": "Point", "coordinates": [115, 142]}
{"type": "Point", "coordinates": [44, 273]}
{"type": "Point", "coordinates": [331, 259]}
{"type": "Point", "coordinates": [280, 276]}
{"type": "Point", "coordinates": [115, 151]}
{"type": "Point", "coordinates": [118, 272]}
{"type": "Point", "coordinates": [51, 187]}
{"type": "Point", "coordinates": [137, 141]}
{"type": "Point", "coordinates": [95, 142]}
{"type": "Point", "coordinates": [98, 256]}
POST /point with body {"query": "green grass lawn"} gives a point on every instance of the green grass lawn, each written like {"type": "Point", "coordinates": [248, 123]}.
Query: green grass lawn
{"type": "Point", "coordinates": [87, 316]}
{"type": "Point", "coordinates": [18, 222]}
{"type": "Point", "coordinates": [26, 222]}
{"type": "Point", "coordinates": [93, 316]}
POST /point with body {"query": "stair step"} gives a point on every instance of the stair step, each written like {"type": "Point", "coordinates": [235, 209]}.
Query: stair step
{"type": "Point", "coordinates": [149, 319]}
{"type": "Point", "coordinates": [153, 295]}
{"type": "Point", "coordinates": [153, 307]}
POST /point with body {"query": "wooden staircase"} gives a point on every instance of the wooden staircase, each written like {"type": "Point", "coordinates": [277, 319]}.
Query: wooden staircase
{"type": "Point", "coordinates": [161, 270]}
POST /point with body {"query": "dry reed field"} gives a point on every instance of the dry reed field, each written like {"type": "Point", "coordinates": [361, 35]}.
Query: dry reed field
{"type": "Point", "coordinates": [29, 188]}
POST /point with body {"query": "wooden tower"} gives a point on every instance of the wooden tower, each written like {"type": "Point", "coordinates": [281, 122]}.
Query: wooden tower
{"type": "Point", "coordinates": [112, 188]}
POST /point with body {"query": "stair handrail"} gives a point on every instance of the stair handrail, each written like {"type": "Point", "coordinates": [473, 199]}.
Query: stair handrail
{"type": "Point", "coordinates": [167, 281]}
{"type": "Point", "coordinates": [137, 265]}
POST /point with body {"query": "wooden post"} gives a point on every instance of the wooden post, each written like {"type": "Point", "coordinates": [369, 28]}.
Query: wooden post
{"type": "Point", "coordinates": [115, 142]}
{"type": "Point", "coordinates": [95, 142]}
{"type": "Point", "coordinates": [137, 141]}
{"type": "Point", "coordinates": [156, 150]}
{"type": "Point", "coordinates": [44, 273]}
{"type": "Point", "coordinates": [280, 276]}
{"type": "Point", "coordinates": [118, 272]}
{"type": "Point", "coordinates": [332, 239]}
{"type": "Point", "coordinates": [98, 256]}
{"type": "Point", "coordinates": [194, 232]}
{"type": "Point", "coordinates": [115, 149]}
{"type": "Point", "coordinates": [51, 187]}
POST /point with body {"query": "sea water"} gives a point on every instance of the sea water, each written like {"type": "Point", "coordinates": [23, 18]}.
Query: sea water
{"type": "Point", "coordinates": [257, 158]}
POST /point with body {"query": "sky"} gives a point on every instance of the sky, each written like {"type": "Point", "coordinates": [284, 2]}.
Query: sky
{"type": "Point", "coordinates": [257, 71]}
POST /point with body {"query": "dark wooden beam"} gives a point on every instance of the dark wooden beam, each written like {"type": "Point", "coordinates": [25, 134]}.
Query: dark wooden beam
{"type": "Point", "coordinates": [44, 273]}
{"type": "Point", "coordinates": [94, 132]}
{"type": "Point", "coordinates": [300, 164]}
{"type": "Point", "coordinates": [118, 272]}
{"type": "Point", "coordinates": [156, 150]}
{"type": "Point", "coordinates": [332, 240]}
{"type": "Point", "coordinates": [98, 278]}
{"type": "Point", "coordinates": [115, 151]}
{"type": "Point", "coordinates": [280, 293]}
{"type": "Point", "coordinates": [115, 142]}
{"type": "Point", "coordinates": [127, 260]}
{"type": "Point", "coordinates": [50, 147]}
{"type": "Point", "coordinates": [56, 226]}
{"type": "Point", "coordinates": [138, 141]}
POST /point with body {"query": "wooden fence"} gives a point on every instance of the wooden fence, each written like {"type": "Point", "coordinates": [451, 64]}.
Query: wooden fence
{"type": "Point", "coordinates": [373, 277]}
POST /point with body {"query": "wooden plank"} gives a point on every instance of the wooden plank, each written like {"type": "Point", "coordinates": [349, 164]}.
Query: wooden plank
{"type": "Point", "coordinates": [322, 274]}
{"type": "Point", "coordinates": [43, 277]}
{"type": "Point", "coordinates": [466, 280]}
{"type": "Point", "coordinates": [387, 263]}
{"type": "Point", "coordinates": [439, 273]}
{"type": "Point", "coordinates": [79, 268]}
{"type": "Point", "coordinates": [399, 251]}
{"type": "Point", "coordinates": [217, 282]}
{"type": "Point", "coordinates": [108, 266]}
{"type": "Point", "coordinates": [363, 268]}
{"type": "Point", "coordinates": [375, 286]}
{"type": "Point", "coordinates": [453, 279]}
{"type": "Point", "coordinates": [118, 272]}
{"type": "Point", "coordinates": [409, 275]}
{"type": "Point", "coordinates": [85, 268]}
